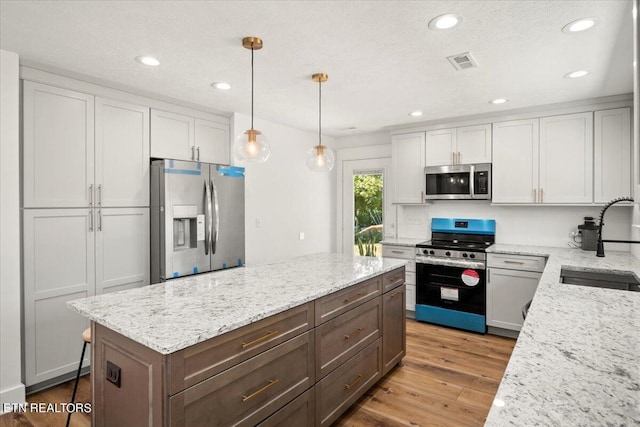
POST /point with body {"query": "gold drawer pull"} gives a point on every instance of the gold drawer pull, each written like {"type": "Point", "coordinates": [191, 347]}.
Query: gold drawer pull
{"type": "Point", "coordinates": [258, 340]}
{"type": "Point", "coordinates": [398, 252]}
{"type": "Point", "coordinates": [353, 298]}
{"type": "Point", "coordinates": [395, 294]}
{"type": "Point", "coordinates": [506, 261]}
{"type": "Point", "coordinates": [348, 386]}
{"type": "Point", "coordinates": [260, 390]}
{"type": "Point", "coordinates": [394, 278]}
{"type": "Point", "coordinates": [357, 331]}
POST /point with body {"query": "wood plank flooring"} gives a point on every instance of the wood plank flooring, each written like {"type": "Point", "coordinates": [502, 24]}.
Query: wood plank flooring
{"type": "Point", "coordinates": [447, 378]}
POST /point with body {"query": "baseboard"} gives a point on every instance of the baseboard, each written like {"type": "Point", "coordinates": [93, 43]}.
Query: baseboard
{"type": "Point", "coordinates": [502, 332]}
{"type": "Point", "coordinates": [57, 380]}
{"type": "Point", "coordinates": [15, 394]}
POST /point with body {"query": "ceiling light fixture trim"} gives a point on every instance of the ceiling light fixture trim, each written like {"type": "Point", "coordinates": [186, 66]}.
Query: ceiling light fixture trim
{"type": "Point", "coordinates": [320, 158]}
{"type": "Point", "coordinates": [148, 60]}
{"type": "Point", "coordinates": [578, 25]}
{"type": "Point", "coordinates": [251, 145]}
{"type": "Point", "coordinates": [445, 22]}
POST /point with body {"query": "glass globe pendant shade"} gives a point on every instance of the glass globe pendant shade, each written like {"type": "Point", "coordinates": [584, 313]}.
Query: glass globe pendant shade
{"type": "Point", "coordinates": [320, 158]}
{"type": "Point", "coordinates": [251, 146]}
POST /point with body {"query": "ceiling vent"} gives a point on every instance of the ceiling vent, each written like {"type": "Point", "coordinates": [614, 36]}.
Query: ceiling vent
{"type": "Point", "coordinates": [462, 61]}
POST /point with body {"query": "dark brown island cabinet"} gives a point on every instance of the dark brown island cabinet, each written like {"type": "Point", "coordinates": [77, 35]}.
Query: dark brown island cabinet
{"type": "Point", "coordinates": [301, 367]}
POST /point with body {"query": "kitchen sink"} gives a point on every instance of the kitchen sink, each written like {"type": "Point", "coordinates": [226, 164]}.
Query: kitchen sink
{"type": "Point", "coordinates": [600, 279]}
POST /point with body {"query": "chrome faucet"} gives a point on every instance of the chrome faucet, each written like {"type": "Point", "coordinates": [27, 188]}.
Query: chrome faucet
{"type": "Point", "coordinates": [600, 247]}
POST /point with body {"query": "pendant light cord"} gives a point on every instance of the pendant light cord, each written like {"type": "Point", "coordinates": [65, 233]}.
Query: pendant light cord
{"type": "Point", "coordinates": [320, 112]}
{"type": "Point", "coordinates": [251, 85]}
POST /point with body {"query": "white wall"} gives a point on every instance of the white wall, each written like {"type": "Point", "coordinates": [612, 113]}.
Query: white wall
{"type": "Point", "coordinates": [285, 197]}
{"type": "Point", "coordinates": [526, 225]}
{"type": "Point", "coordinates": [363, 140]}
{"type": "Point", "coordinates": [11, 387]}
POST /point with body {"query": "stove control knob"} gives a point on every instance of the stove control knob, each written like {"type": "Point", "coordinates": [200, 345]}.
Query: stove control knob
{"type": "Point", "coordinates": [448, 253]}
{"type": "Point", "coordinates": [464, 255]}
{"type": "Point", "coordinates": [472, 256]}
{"type": "Point", "coordinates": [424, 251]}
{"type": "Point", "coordinates": [431, 252]}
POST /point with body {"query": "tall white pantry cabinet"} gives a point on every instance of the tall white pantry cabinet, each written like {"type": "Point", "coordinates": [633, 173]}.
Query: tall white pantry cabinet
{"type": "Point", "coordinates": [85, 218]}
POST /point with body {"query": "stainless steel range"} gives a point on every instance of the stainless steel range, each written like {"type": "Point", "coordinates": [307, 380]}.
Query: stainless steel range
{"type": "Point", "coordinates": [451, 273]}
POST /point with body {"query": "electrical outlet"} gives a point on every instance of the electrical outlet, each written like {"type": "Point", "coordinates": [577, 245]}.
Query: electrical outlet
{"type": "Point", "coordinates": [113, 374]}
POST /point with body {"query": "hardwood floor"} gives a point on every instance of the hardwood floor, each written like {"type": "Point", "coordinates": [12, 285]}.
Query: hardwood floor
{"type": "Point", "coordinates": [447, 378]}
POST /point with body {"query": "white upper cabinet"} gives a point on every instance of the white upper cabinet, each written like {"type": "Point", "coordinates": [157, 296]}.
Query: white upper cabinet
{"type": "Point", "coordinates": [464, 145]}
{"type": "Point", "coordinates": [58, 132]}
{"type": "Point", "coordinates": [474, 144]}
{"type": "Point", "coordinates": [515, 161]}
{"type": "Point", "coordinates": [180, 137]}
{"type": "Point", "coordinates": [121, 154]}
{"type": "Point", "coordinates": [612, 157]}
{"type": "Point", "coordinates": [440, 147]}
{"type": "Point", "coordinates": [566, 159]}
{"type": "Point", "coordinates": [212, 142]}
{"type": "Point", "coordinates": [407, 165]}
{"type": "Point", "coordinates": [172, 136]}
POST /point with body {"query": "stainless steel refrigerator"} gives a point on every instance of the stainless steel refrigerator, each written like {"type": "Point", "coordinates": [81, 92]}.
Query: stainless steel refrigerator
{"type": "Point", "coordinates": [197, 218]}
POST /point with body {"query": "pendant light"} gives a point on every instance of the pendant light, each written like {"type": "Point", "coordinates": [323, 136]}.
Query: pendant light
{"type": "Point", "coordinates": [251, 145]}
{"type": "Point", "coordinates": [320, 158]}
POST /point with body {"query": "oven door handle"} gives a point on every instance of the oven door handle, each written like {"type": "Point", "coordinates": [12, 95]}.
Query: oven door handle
{"type": "Point", "coordinates": [450, 262]}
{"type": "Point", "coordinates": [472, 178]}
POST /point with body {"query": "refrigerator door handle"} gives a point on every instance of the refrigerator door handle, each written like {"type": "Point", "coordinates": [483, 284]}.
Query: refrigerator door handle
{"type": "Point", "coordinates": [214, 240]}
{"type": "Point", "coordinates": [208, 218]}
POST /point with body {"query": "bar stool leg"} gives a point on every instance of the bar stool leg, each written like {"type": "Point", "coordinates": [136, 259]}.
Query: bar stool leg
{"type": "Point", "coordinates": [75, 388]}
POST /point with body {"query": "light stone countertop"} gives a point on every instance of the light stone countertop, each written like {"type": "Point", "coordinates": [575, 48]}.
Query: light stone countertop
{"type": "Point", "coordinates": [403, 241]}
{"type": "Point", "coordinates": [577, 359]}
{"type": "Point", "coordinates": [182, 312]}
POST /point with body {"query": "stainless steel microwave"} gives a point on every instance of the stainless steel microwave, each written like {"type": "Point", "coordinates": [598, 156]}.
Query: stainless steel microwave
{"type": "Point", "coordinates": [455, 182]}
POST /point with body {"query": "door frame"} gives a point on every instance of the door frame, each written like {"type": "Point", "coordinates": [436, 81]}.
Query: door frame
{"type": "Point", "coordinates": [362, 158]}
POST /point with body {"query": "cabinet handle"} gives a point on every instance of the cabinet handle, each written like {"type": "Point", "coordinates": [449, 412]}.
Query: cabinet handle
{"type": "Point", "coordinates": [99, 198]}
{"type": "Point", "coordinates": [91, 195]}
{"type": "Point", "coordinates": [542, 195]}
{"type": "Point", "coordinates": [395, 294]}
{"type": "Point", "coordinates": [353, 298]}
{"type": "Point", "coordinates": [198, 151]}
{"type": "Point", "coordinates": [348, 386]}
{"type": "Point", "coordinates": [506, 261]}
{"type": "Point", "coordinates": [422, 196]}
{"type": "Point", "coordinates": [90, 219]}
{"type": "Point", "coordinates": [534, 196]}
{"type": "Point", "coordinates": [355, 332]}
{"type": "Point", "coordinates": [459, 157]}
{"type": "Point", "coordinates": [397, 252]}
{"type": "Point", "coordinates": [193, 155]}
{"type": "Point", "coordinates": [260, 390]}
{"type": "Point", "coordinates": [258, 340]}
{"type": "Point", "coordinates": [99, 219]}
{"type": "Point", "coordinates": [453, 158]}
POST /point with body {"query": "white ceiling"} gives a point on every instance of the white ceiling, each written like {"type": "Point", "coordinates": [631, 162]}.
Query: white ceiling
{"type": "Point", "coordinates": [382, 59]}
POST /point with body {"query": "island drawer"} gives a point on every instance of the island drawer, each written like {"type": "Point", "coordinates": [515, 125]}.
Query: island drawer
{"type": "Point", "coordinates": [342, 337]}
{"type": "Point", "coordinates": [516, 262]}
{"type": "Point", "coordinates": [299, 413]}
{"type": "Point", "coordinates": [393, 279]}
{"type": "Point", "coordinates": [249, 392]}
{"type": "Point", "coordinates": [339, 302]}
{"type": "Point", "coordinates": [197, 363]}
{"type": "Point", "coordinates": [340, 389]}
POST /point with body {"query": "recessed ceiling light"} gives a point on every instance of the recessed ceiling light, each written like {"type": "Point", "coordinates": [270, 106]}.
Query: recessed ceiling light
{"type": "Point", "coordinates": [579, 25]}
{"type": "Point", "coordinates": [221, 85]}
{"type": "Point", "coordinates": [148, 60]}
{"type": "Point", "coordinates": [576, 74]}
{"type": "Point", "coordinates": [498, 101]}
{"type": "Point", "coordinates": [444, 22]}
{"type": "Point", "coordinates": [415, 113]}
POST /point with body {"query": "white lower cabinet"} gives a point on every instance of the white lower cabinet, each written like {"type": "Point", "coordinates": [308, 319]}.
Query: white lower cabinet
{"type": "Point", "coordinates": [405, 253]}
{"type": "Point", "coordinates": [512, 281]}
{"type": "Point", "coordinates": [71, 254]}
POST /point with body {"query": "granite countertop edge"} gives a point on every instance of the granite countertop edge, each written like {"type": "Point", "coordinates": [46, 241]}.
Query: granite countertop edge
{"type": "Point", "coordinates": [228, 302]}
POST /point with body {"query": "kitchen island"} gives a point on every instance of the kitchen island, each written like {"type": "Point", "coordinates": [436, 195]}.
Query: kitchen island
{"type": "Point", "coordinates": [296, 341]}
{"type": "Point", "coordinates": [577, 358]}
